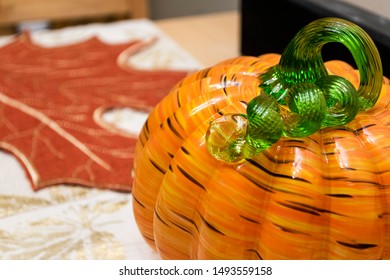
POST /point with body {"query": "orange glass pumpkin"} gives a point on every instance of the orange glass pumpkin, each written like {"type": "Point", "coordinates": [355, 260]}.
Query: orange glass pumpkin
{"type": "Point", "coordinates": [319, 193]}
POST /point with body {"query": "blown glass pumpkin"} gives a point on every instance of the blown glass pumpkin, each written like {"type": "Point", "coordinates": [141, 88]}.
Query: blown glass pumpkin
{"type": "Point", "coordinates": [271, 157]}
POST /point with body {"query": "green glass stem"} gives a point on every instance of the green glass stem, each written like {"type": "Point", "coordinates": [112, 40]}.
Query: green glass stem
{"type": "Point", "coordinates": [302, 60]}
{"type": "Point", "coordinates": [298, 96]}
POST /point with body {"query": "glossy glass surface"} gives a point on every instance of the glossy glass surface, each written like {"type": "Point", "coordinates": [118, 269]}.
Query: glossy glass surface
{"type": "Point", "coordinates": [306, 97]}
{"type": "Point", "coordinates": [324, 196]}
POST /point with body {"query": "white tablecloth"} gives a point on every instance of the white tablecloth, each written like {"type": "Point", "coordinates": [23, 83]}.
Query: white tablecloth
{"type": "Point", "coordinates": [74, 222]}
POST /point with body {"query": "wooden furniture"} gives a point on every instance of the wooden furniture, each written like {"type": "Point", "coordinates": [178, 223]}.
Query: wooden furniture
{"type": "Point", "coordinates": [210, 38]}
{"type": "Point", "coordinates": [14, 11]}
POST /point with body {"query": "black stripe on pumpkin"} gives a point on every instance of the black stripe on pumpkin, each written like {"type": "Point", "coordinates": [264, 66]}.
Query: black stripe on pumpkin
{"type": "Point", "coordinates": [320, 210]}
{"type": "Point", "coordinates": [160, 219]}
{"type": "Point", "coordinates": [334, 178]}
{"type": "Point", "coordinates": [341, 128]}
{"type": "Point", "coordinates": [210, 226]}
{"type": "Point", "coordinates": [178, 122]}
{"type": "Point", "coordinates": [332, 140]}
{"type": "Point", "coordinates": [381, 216]}
{"type": "Point", "coordinates": [290, 230]}
{"type": "Point", "coordinates": [349, 180]}
{"type": "Point", "coordinates": [268, 188]}
{"type": "Point", "coordinates": [256, 253]}
{"type": "Point", "coordinates": [300, 141]}
{"type": "Point", "coordinates": [159, 168]}
{"type": "Point", "coordinates": [178, 98]}
{"type": "Point", "coordinates": [138, 202]}
{"type": "Point", "coordinates": [144, 135]}
{"type": "Point", "coordinates": [244, 103]}
{"type": "Point", "coordinates": [173, 129]}
{"type": "Point", "coordinates": [189, 177]}
{"type": "Point", "coordinates": [205, 73]}
{"type": "Point", "coordinates": [161, 251]}
{"type": "Point", "coordinates": [181, 227]}
{"type": "Point", "coordinates": [349, 168]}
{"type": "Point", "coordinates": [249, 220]}
{"type": "Point", "coordinates": [147, 237]}
{"type": "Point", "coordinates": [258, 184]}
{"type": "Point", "coordinates": [293, 140]}
{"type": "Point", "coordinates": [142, 141]}
{"type": "Point", "coordinates": [358, 246]}
{"type": "Point", "coordinates": [255, 62]}
{"type": "Point", "coordinates": [314, 140]}
{"type": "Point", "coordinates": [259, 166]}
{"type": "Point", "coordinates": [219, 112]}
{"type": "Point", "coordinates": [364, 127]}
{"type": "Point", "coordinates": [224, 85]}
{"type": "Point", "coordinates": [300, 209]}
{"type": "Point", "coordinates": [185, 150]}
{"type": "Point", "coordinates": [274, 159]}
{"type": "Point", "coordinates": [181, 216]}
{"type": "Point", "coordinates": [340, 195]}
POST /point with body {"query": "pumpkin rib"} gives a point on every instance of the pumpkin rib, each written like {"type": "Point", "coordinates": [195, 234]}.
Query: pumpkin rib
{"type": "Point", "coordinates": [350, 186]}
{"type": "Point", "coordinates": [375, 140]}
{"type": "Point", "coordinates": [179, 157]}
{"type": "Point", "coordinates": [143, 150]}
{"type": "Point", "coordinates": [383, 102]}
{"type": "Point", "coordinates": [296, 200]}
{"type": "Point", "coordinates": [167, 204]}
{"type": "Point", "coordinates": [377, 114]}
{"type": "Point", "coordinates": [270, 187]}
{"type": "Point", "coordinates": [327, 193]}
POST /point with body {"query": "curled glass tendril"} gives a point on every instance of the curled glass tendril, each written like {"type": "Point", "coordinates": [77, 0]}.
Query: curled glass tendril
{"type": "Point", "coordinates": [298, 97]}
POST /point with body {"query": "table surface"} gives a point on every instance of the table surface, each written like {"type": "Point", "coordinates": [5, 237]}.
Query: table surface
{"type": "Point", "coordinates": [209, 38]}
{"type": "Point", "coordinates": [379, 7]}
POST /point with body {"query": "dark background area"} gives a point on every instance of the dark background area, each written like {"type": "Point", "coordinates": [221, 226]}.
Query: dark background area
{"type": "Point", "coordinates": [268, 26]}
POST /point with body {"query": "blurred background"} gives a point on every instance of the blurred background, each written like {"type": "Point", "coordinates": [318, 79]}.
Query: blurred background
{"type": "Point", "coordinates": [258, 27]}
{"type": "Point", "coordinates": [25, 14]}
{"type": "Point", "coordinates": [14, 12]}
{"type": "Point", "coordinates": [161, 9]}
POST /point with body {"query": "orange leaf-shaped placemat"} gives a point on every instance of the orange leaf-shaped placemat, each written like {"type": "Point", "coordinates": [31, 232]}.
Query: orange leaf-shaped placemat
{"type": "Point", "coordinates": [52, 101]}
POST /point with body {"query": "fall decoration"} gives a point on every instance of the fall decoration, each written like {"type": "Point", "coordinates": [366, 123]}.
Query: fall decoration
{"type": "Point", "coordinates": [51, 105]}
{"type": "Point", "coordinates": [271, 157]}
